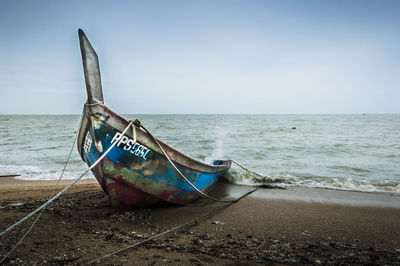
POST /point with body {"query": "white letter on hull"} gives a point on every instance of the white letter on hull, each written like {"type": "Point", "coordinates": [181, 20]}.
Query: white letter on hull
{"type": "Point", "coordinates": [116, 136]}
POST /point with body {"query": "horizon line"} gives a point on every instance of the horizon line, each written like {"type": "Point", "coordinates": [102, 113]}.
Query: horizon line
{"type": "Point", "coordinates": [122, 114]}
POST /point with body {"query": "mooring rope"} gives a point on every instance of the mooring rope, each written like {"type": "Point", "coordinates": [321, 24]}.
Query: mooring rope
{"type": "Point", "coordinates": [66, 188]}
{"type": "Point", "coordinates": [191, 222]}
{"type": "Point", "coordinates": [247, 170]}
{"type": "Point", "coordinates": [138, 124]}
{"type": "Point", "coordinates": [51, 195]}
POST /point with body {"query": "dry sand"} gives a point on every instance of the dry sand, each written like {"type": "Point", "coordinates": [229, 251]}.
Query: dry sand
{"type": "Point", "coordinates": [293, 226]}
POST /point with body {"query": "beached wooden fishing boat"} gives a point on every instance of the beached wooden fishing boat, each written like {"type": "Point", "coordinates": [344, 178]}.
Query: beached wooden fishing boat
{"type": "Point", "coordinates": [139, 170]}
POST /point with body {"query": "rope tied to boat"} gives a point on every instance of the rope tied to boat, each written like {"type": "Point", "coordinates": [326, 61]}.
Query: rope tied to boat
{"type": "Point", "coordinates": [139, 124]}
{"type": "Point", "coordinates": [263, 185]}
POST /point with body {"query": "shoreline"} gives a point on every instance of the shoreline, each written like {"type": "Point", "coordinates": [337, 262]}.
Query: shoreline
{"type": "Point", "coordinates": [270, 226]}
{"type": "Point", "coordinates": [290, 193]}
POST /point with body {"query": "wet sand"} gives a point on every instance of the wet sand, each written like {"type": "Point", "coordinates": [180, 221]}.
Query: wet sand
{"type": "Point", "coordinates": [271, 226]}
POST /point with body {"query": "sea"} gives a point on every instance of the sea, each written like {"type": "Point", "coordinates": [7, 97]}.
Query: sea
{"type": "Point", "coordinates": [359, 152]}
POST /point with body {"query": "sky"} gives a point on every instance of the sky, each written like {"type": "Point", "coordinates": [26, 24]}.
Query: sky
{"type": "Point", "coordinates": [203, 57]}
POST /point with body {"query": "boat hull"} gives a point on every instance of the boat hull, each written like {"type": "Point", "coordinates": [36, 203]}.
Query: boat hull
{"type": "Point", "coordinates": [135, 173]}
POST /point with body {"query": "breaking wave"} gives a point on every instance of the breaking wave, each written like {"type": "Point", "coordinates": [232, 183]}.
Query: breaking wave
{"type": "Point", "coordinates": [30, 172]}
{"type": "Point", "coordinates": [239, 177]}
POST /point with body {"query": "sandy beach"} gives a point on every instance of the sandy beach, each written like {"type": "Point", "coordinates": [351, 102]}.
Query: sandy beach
{"type": "Point", "coordinates": [270, 226]}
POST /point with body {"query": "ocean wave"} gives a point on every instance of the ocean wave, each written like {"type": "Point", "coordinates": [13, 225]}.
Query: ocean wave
{"type": "Point", "coordinates": [350, 168]}
{"type": "Point", "coordinates": [254, 179]}
{"type": "Point", "coordinates": [335, 151]}
{"type": "Point", "coordinates": [30, 172]}
{"type": "Point", "coordinates": [351, 184]}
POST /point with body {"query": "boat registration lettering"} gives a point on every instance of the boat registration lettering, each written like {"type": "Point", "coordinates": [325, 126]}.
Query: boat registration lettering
{"type": "Point", "coordinates": [130, 145]}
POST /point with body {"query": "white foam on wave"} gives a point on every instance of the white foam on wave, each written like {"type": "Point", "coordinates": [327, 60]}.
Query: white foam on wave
{"type": "Point", "coordinates": [30, 172]}
{"type": "Point", "coordinates": [241, 177]}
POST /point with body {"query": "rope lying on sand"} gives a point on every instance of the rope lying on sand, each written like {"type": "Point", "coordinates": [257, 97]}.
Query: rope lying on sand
{"type": "Point", "coordinates": [188, 223]}
{"type": "Point", "coordinates": [66, 188]}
